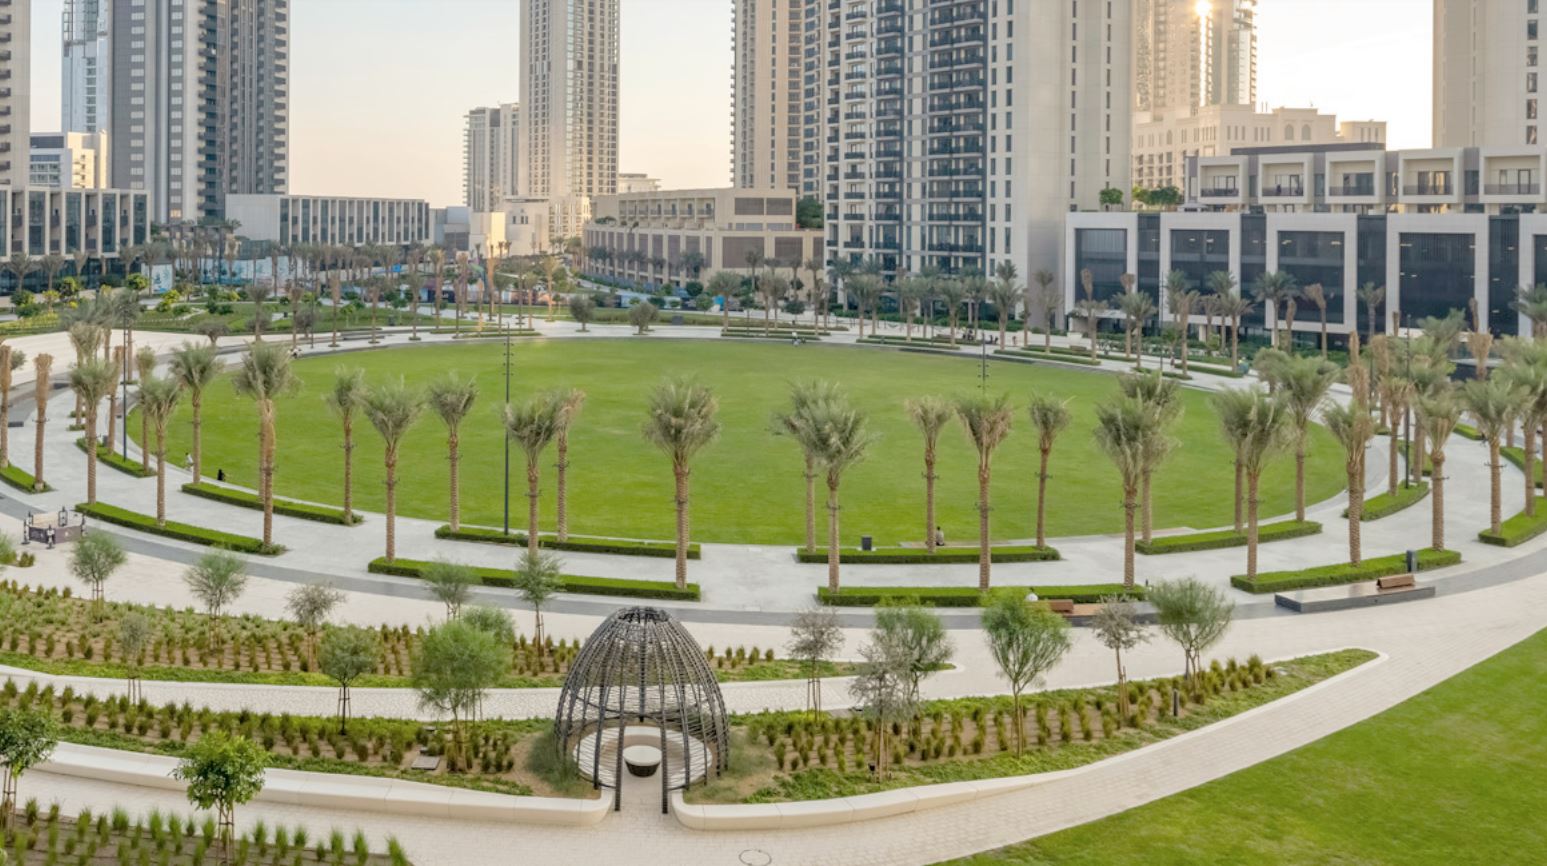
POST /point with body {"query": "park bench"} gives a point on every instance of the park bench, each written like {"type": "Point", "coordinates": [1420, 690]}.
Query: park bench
{"type": "Point", "coordinates": [1061, 606]}
{"type": "Point", "coordinates": [1399, 581]}
{"type": "Point", "coordinates": [1384, 590]}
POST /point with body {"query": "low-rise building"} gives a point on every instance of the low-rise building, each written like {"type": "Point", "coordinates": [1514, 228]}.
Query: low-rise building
{"type": "Point", "coordinates": [331, 220]}
{"type": "Point", "coordinates": [632, 182]}
{"type": "Point", "coordinates": [1164, 142]}
{"type": "Point", "coordinates": [37, 221]}
{"type": "Point", "coordinates": [70, 160]}
{"type": "Point", "coordinates": [673, 237]}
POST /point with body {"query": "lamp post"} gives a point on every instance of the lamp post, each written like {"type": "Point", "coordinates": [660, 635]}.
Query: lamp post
{"type": "Point", "coordinates": [506, 487]}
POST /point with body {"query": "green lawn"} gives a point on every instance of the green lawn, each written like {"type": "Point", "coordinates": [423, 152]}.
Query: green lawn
{"type": "Point", "coordinates": [1450, 776]}
{"type": "Point", "coordinates": [747, 487]}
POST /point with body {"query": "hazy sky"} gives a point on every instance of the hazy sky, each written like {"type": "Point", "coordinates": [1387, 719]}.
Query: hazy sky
{"type": "Point", "coordinates": [378, 88]}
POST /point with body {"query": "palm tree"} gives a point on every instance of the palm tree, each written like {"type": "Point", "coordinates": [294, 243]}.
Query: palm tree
{"type": "Point", "coordinates": [987, 422]}
{"type": "Point", "coordinates": [158, 400]}
{"type": "Point", "coordinates": [264, 376]}
{"type": "Point", "coordinates": [1438, 414]}
{"type": "Point", "coordinates": [951, 292]}
{"type": "Point", "coordinates": [793, 423]}
{"type": "Point", "coordinates": [930, 415]}
{"type": "Point", "coordinates": [1275, 288]}
{"type": "Point", "coordinates": [19, 266]}
{"type": "Point", "coordinates": [145, 365]}
{"type": "Point", "coordinates": [194, 368]}
{"type": "Point", "coordinates": [92, 380]}
{"type": "Point", "coordinates": [1137, 308]}
{"type": "Point", "coordinates": [42, 364]}
{"type": "Point", "coordinates": [1305, 383]}
{"type": "Point", "coordinates": [840, 436]}
{"type": "Point", "coordinates": [1234, 308]}
{"type": "Point", "coordinates": [680, 421]}
{"type": "Point", "coordinates": [1353, 427]}
{"type": "Point", "coordinates": [1373, 296]}
{"type": "Point", "coordinates": [392, 409]}
{"type": "Point", "coordinates": [1004, 293]}
{"type": "Point", "coordinates": [1124, 428]}
{"type": "Point", "coordinates": [258, 294]}
{"type": "Point", "coordinates": [1526, 369]}
{"type": "Point", "coordinates": [1050, 304]}
{"type": "Point", "coordinates": [569, 400]}
{"type": "Point", "coordinates": [345, 399]}
{"type": "Point", "coordinates": [1493, 404]}
{"type": "Point", "coordinates": [1050, 417]}
{"type": "Point", "coordinates": [866, 289]}
{"type": "Point", "coordinates": [1396, 393]}
{"type": "Point", "coordinates": [1531, 303]}
{"type": "Point", "coordinates": [1161, 397]}
{"type": "Point", "coordinates": [1318, 296]}
{"type": "Point", "coordinates": [11, 360]}
{"type": "Point", "coordinates": [1181, 301]}
{"type": "Point", "coordinates": [451, 398]}
{"type": "Point", "coordinates": [1264, 430]}
{"type": "Point", "coordinates": [532, 425]}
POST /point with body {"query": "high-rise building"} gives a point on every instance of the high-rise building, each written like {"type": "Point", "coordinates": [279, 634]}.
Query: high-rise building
{"type": "Point", "coordinates": [766, 93]}
{"type": "Point", "coordinates": [1486, 73]}
{"type": "Point", "coordinates": [200, 101]}
{"type": "Point", "coordinates": [957, 135]}
{"type": "Point", "coordinates": [86, 73]}
{"type": "Point", "coordinates": [1189, 54]}
{"type": "Point", "coordinates": [15, 92]}
{"type": "Point", "coordinates": [491, 151]}
{"type": "Point", "coordinates": [569, 106]}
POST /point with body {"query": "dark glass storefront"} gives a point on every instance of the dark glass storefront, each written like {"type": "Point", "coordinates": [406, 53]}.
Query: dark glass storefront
{"type": "Point", "coordinates": [1438, 273]}
{"type": "Point", "coordinates": [1198, 253]}
{"type": "Point", "coordinates": [1149, 255]}
{"type": "Point", "coordinates": [1503, 273]}
{"type": "Point", "coordinates": [1103, 252]}
{"type": "Point", "coordinates": [1372, 266]}
{"type": "Point", "coordinates": [1314, 257]}
{"type": "Point", "coordinates": [1254, 262]}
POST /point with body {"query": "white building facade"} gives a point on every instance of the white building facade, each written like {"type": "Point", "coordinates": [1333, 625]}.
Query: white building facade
{"type": "Point", "coordinates": [491, 156]}
{"type": "Point", "coordinates": [766, 94]}
{"type": "Point", "coordinates": [70, 160]}
{"type": "Point", "coordinates": [331, 220]}
{"type": "Point", "coordinates": [15, 92]}
{"type": "Point", "coordinates": [1487, 57]}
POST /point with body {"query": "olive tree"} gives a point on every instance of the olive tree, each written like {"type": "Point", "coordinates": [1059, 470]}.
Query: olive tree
{"type": "Point", "coordinates": [815, 637]}
{"type": "Point", "coordinates": [217, 581]}
{"type": "Point", "coordinates": [538, 579]}
{"type": "Point", "coordinates": [451, 583]}
{"type": "Point", "coordinates": [346, 655]}
{"type": "Point", "coordinates": [1026, 641]}
{"type": "Point", "coordinates": [882, 692]}
{"type": "Point", "coordinates": [310, 604]}
{"type": "Point", "coordinates": [1116, 625]}
{"type": "Point", "coordinates": [134, 636]}
{"type": "Point", "coordinates": [222, 772]}
{"type": "Point", "coordinates": [1192, 614]}
{"type": "Point", "coordinates": [453, 668]}
{"type": "Point", "coordinates": [920, 635]}
{"type": "Point", "coordinates": [93, 560]}
{"type": "Point", "coordinates": [27, 738]}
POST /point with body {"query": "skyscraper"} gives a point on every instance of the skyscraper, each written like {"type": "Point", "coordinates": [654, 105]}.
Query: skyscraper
{"type": "Point", "coordinates": [199, 101]}
{"type": "Point", "coordinates": [15, 92]}
{"type": "Point", "coordinates": [1189, 54]}
{"type": "Point", "coordinates": [569, 105]}
{"type": "Point", "coordinates": [84, 84]}
{"type": "Point", "coordinates": [1485, 73]}
{"type": "Point", "coordinates": [956, 135]}
{"type": "Point", "coordinates": [491, 149]}
{"type": "Point", "coordinates": [766, 82]}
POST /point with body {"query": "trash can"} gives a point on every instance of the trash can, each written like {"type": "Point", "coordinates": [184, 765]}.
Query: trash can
{"type": "Point", "coordinates": [866, 543]}
{"type": "Point", "coordinates": [1412, 562]}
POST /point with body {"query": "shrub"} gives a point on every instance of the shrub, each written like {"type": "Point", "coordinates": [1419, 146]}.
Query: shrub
{"type": "Point", "coordinates": [912, 556]}
{"type": "Point", "coordinates": [1343, 573]}
{"type": "Point", "coordinates": [288, 507]}
{"type": "Point", "coordinates": [660, 549]}
{"type": "Point", "coordinates": [118, 461]}
{"type": "Point", "coordinates": [1386, 505]}
{"type": "Point", "coordinates": [1518, 529]}
{"type": "Point", "coordinates": [179, 531]}
{"type": "Point", "coordinates": [1227, 538]}
{"type": "Point", "coordinates": [16, 477]}
{"type": "Point", "coordinates": [964, 596]}
{"type": "Point", "coordinates": [499, 577]}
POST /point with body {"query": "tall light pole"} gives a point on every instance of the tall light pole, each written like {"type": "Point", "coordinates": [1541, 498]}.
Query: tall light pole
{"type": "Point", "coordinates": [506, 487]}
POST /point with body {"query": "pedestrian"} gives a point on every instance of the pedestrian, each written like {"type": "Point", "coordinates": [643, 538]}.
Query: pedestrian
{"type": "Point", "coordinates": [188, 461]}
{"type": "Point", "coordinates": [939, 537]}
{"type": "Point", "coordinates": [220, 475]}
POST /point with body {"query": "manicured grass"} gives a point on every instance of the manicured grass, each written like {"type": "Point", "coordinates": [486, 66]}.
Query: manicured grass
{"type": "Point", "coordinates": [1517, 456]}
{"type": "Point", "coordinates": [918, 555]}
{"type": "Point", "coordinates": [1386, 505]}
{"type": "Point", "coordinates": [244, 499]}
{"type": "Point", "coordinates": [747, 486]}
{"type": "Point", "coordinates": [1518, 529]}
{"type": "Point", "coordinates": [1227, 538]}
{"type": "Point", "coordinates": [965, 596]}
{"type": "Point", "coordinates": [179, 531]}
{"type": "Point", "coordinates": [19, 478]}
{"type": "Point", "coordinates": [658, 549]}
{"type": "Point", "coordinates": [1037, 355]}
{"type": "Point", "coordinates": [118, 461]}
{"type": "Point", "coordinates": [1449, 776]}
{"type": "Point", "coordinates": [501, 577]}
{"type": "Point", "coordinates": [1341, 573]}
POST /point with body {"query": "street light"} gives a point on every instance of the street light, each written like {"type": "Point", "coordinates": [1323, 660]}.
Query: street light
{"type": "Point", "coordinates": [506, 487]}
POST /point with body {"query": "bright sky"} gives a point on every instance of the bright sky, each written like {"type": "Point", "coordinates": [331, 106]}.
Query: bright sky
{"type": "Point", "coordinates": [379, 87]}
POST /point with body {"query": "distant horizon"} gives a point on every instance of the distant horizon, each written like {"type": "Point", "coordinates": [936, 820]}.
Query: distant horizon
{"type": "Point", "coordinates": [377, 85]}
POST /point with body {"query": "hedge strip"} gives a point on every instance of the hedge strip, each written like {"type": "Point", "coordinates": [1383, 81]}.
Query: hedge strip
{"type": "Point", "coordinates": [18, 478]}
{"type": "Point", "coordinates": [1467, 431]}
{"type": "Point", "coordinates": [919, 556]}
{"type": "Point", "coordinates": [179, 531]}
{"type": "Point", "coordinates": [506, 579]}
{"type": "Point", "coordinates": [1385, 505]}
{"type": "Point", "coordinates": [287, 507]}
{"type": "Point", "coordinates": [1519, 529]}
{"type": "Point", "coordinates": [1343, 573]}
{"type": "Point", "coordinates": [659, 549]}
{"type": "Point", "coordinates": [965, 596]}
{"type": "Point", "coordinates": [117, 461]}
{"type": "Point", "coordinates": [1046, 357]}
{"type": "Point", "coordinates": [1227, 538]}
{"type": "Point", "coordinates": [1517, 457]}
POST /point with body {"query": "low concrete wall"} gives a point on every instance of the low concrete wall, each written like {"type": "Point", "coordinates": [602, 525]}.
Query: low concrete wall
{"type": "Point", "coordinates": [842, 810]}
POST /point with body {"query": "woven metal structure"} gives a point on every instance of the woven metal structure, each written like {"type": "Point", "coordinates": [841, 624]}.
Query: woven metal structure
{"type": "Point", "coordinates": [641, 679]}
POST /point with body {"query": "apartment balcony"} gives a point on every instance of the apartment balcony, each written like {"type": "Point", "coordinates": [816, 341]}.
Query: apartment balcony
{"type": "Point", "coordinates": [1515, 189]}
{"type": "Point", "coordinates": [1428, 189]}
{"type": "Point", "coordinates": [1220, 192]}
{"type": "Point", "coordinates": [1351, 189]}
{"type": "Point", "coordinates": [1286, 190]}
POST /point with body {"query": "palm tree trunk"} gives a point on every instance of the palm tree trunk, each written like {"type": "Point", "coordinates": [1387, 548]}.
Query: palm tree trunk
{"type": "Point", "coordinates": [1251, 524]}
{"type": "Point", "coordinates": [5, 426]}
{"type": "Point", "coordinates": [561, 487]}
{"type": "Point", "coordinates": [1416, 460]}
{"type": "Point", "coordinates": [832, 536]}
{"type": "Point", "coordinates": [531, 505]}
{"type": "Point", "coordinates": [1323, 335]}
{"type": "Point", "coordinates": [456, 487]}
{"type": "Point", "coordinates": [810, 503]}
{"type": "Point", "coordinates": [1130, 505]}
{"type": "Point", "coordinates": [1146, 508]}
{"type": "Point", "coordinates": [985, 553]}
{"type": "Point", "coordinates": [391, 467]}
{"type": "Point", "coordinates": [1495, 516]}
{"type": "Point", "coordinates": [1437, 514]}
{"type": "Point", "coordinates": [349, 469]}
{"type": "Point", "coordinates": [266, 467]}
{"type": "Point", "coordinates": [161, 478]}
{"type": "Point", "coordinates": [144, 441]}
{"type": "Point", "coordinates": [91, 455]}
{"type": "Point", "coordinates": [1528, 453]}
{"type": "Point", "coordinates": [1300, 481]}
{"type": "Point", "coordinates": [929, 504]}
{"type": "Point", "coordinates": [112, 415]}
{"type": "Point", "coordinates": [37, 445]}
{"type": "Point", "coordinates": [1355, 513]}
{"type": "Point", "coordinates": [681, 474]}
{"type": "Point", "coordinates": [1235, 345]}
{"type": "Point", "coordinates": [1042, 498]}
{"type": "Point", "coordinates": [1240, 478]}
{"type": "Point", "coordinates": [1393, 476]}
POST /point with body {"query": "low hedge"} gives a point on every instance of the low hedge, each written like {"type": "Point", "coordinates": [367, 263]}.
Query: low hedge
{"type": "Point", "coordinates": [18, 478]}
{"type": "Point", "coordinates": [1343, 573]}
{"type": "Point", "coordinates": [1467, 431]}
{"type": "Point", "coordinates": [1047, 357]}
{"type": "Point", "coordinates": [1227, 538]}
{"type": "Point", "coordinates": [1386, 505]}
{"type": "Point", "coordinates": [287, 507]}
{"type": "Point", "coordinates": [118, 461]}
{"type": "Point", "coordinates": [772, 335]}
{"type": "Point", "coordinates": [1519, 529]}
{"type": "Point", "coordinates": [506, 579]}
{"type": "Point", "coordinates": [919, 556]}
{"type": "Point", "coordinates": [965, 596]}
{"type": "Point", "coordinates": [1518, 457]}
{"type": "Point", "coordinates": [179, 531]}
{"type": "Point", "coordinates": [659, 549]}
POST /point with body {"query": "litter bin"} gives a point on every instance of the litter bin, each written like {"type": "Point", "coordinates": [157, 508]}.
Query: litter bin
{"type": "Point", "coordinates": [1412, 562]}
{"type": "Point", "coordinates": [866, 543]}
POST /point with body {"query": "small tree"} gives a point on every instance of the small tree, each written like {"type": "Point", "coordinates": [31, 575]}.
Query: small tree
{"type": "Point", "coordinates": [538, 578]}
{"type": "Point", "coordinates": [134, 637]}
{"type": "Point", "coordinates": [93, 560]}
{"type": "Point", "coordinates": [216, 580]}
{"type": "Point", "coordinates": [1026, 641]}
{"type": "Point", "coordinates": [27, 738]}
{"type": "Point", "coordinates": [310, 604]}
{"type": "Point", "coordinates": [222, 772]}
{"type": "Point", "coordinates": [642, 315]}
{"type": "Point", "coordinates": [451, 584]}
{"type": "Point", "coordinates": [346, 655]}
{"type": "Point", "coordinates": [814, 638]}
{"type": "Point", "coordinates": [453, 668]}
{"type": "Point", "coordinates": [1192, 614]}
{"type": "Point", "coordinates": [582, 308]}
{"type": "Point", "coordinates": [882, 694]}
{"type": "Point", "coordinates": [1117, 627]}
{"type": "Point", "coordinates": [920, 635]}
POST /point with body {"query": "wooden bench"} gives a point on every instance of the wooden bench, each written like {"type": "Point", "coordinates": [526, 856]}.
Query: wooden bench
{"type": "Point", "coordinates": [1061, 606]}
{"type": "Point", "coordinates": [1399, 581]}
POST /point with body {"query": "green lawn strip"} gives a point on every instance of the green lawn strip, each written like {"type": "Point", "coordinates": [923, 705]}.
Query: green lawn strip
{"type": "Point", "coordinates": [824, 782]}
{"type": "Point", "coordinates": [1342, 573]}
{"type": "Point", "coordinates": [1047, 358]}
{"type": "Point", "coordinates": [920, 556]}
{"type": "Point", "coordinates": [1448, 776]}
{"type": "Point", "coordinates": [1517, 456]}
{"type": "Point", "coordinates": [1386, 505]}
{"type": "Point", "coordinates": [809, 337]}
{"type": "Point", "coordinates": [17, 477]}
{"type": "Point", "coordinates": [965, 596]}
{"type": "Point", "coordinates": [1518, 529]}
{"type": "Point", "coordinates": [1227, 538]}
{"type": "Point", "coordinates": [179, 531]}
{"type": "Point", "coordinates": [659, 549]}
{"type": "Point", "coordinates": [1467, 431]}
{"type": "Point", "coordinates": [505, 578]}
{"type": "Point", "coordinates": [1428, 464]}
{"type": "Point", "coordinates": [118, 461]}
{"type": "Point", "coordinates": [287, 507]}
